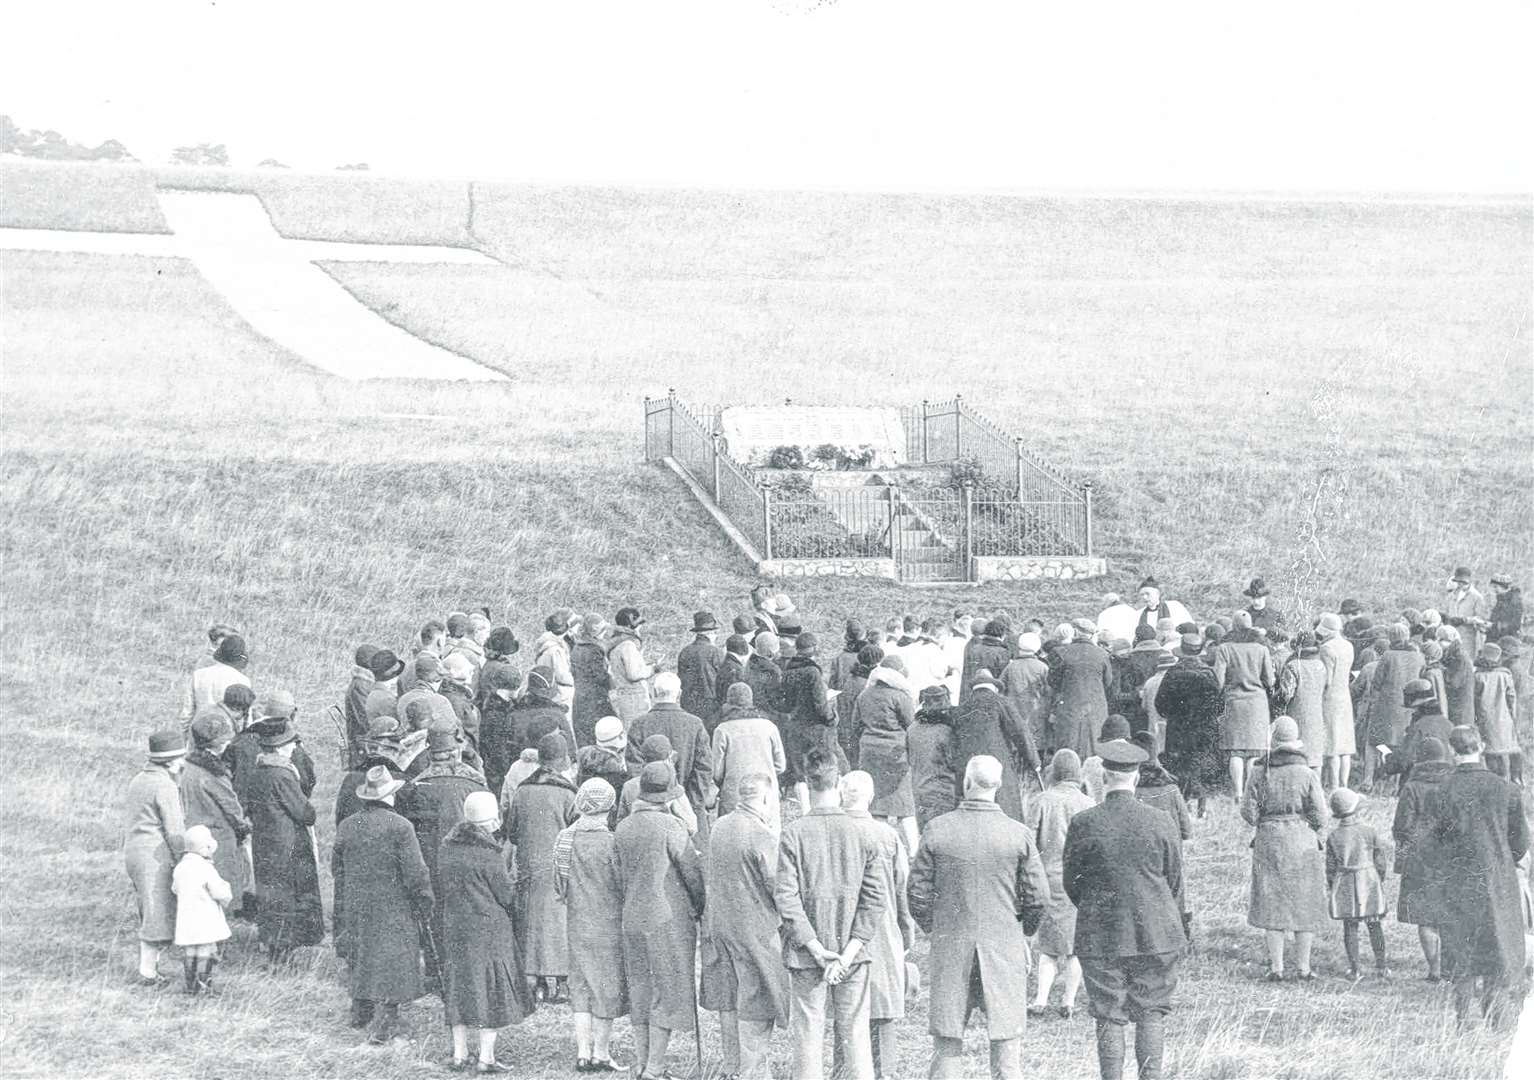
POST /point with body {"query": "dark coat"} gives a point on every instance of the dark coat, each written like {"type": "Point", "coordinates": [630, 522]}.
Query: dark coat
{"type": "Point", "coordinates": [483, 982]}
{"type": "Point", "coordinates": [977, 886]}
{"type": "Point", "coordinates": [1387, 716]}
{"type": "Point", "coordinates": [540, 809]}
{"type": "Point", "coordinates": [1025, 683]}
{"type": "Point", "coordinates": [499, 747]}
{"type": "Point", "coordinates": [383, 895]}
{"type": "Point", "coordinates": [593, 901]}
{"type": "Point", "coordinates": [662, 881]}
{"type": "Point", "coordinates": [840, 668]}
{"type": "Point", "coordinates": [347, 802]}
{"type": "Point", "coordinates": [1416, 817]}
{"type": "Point", "coordinates": [355, 710]}
{"type": "Point", "coordinates": [1506, 616]}
{"type": "Point", "coordinates": [1266, 618]}
{"type": "Point", "coordinates": [435, 804]}
{"type": "Point", "coordinates": [290, 911]}
{"type": "Point", "coordinates": [593, 681]}
{"type": "Point", "coordinates": [809, 719]}
{"type": "Point", "coordinates": [732, 669]}
{"type": "Point", "coordinates": [766, 681]}
{"type": "Point", "coordinates": [1122, 869]}
{"type": "Point", "coordinates": [207, 798]}
{"type": "Point", "coordinates": [1159, 788]}
{"type": "Point", "coordinates": [982, 653]}
{"type": "Point", "coordinates": [1459, 683]}
{"type": "Point", "coordinates": [1430, 724]}
{"type": "Point", "coordinates": [1131, 672]}
{"type": "Point", "coordinates": [987, 724]}
{"type": "Point", "coordinates": [1190, 701]}
{"type": "Point", "coordinates": [846, 705]}
{"type": "Point", "coordinates": [689, 741]}
{"type": "Point", "coordinates": [881, 716]}
{"type": "Point", "coordinates": [930, 744]}
{"type": "Point", "coordinates": [1482, 831]}
{"type": "Point", "coordinates": [533, 718]}
{"type": "Point", "coordinates": [240, 756]}
{"type": "Point", "coordinates": [461, 698]}
{"type": "Point", "coordinates": [697, 665]}
{"type": "Point", "coordinates": [1081, 678]}
{"type": "Point", "coordinates": [596, 762]}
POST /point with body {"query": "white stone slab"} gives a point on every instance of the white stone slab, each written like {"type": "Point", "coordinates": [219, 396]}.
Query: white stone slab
{"type": "Point", "coordinates": [751, 432]}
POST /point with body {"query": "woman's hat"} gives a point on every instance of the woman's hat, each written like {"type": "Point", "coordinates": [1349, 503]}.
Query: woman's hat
{"type": "Point", "coordinates": [502, 641]}
{"type": "Point", "coordinates": [553, 753]}
{"type": "Point", "coordinates": [806, 644]}
{"type": "Point", "coordinates": [1432, 748]}
{"type": "Point", "coordinates": [1432, 652]}
{"type": "Point", "coordinates": [364, 655]}
{"type": "Point", "coordinates": [1345, 801]}
{"type": "Point", "coordinates": [211, 727]}
{"type": "Point", "coordinates": [1350, 607]}
{"type": "Point", "coordinates": [609, 733]}
{"type": "Point", "coordinates": [1305, 642]}
{"type": "Point", "coordinates": [458, 668]}
{"type": "Point", "coordinates": [1501, 581]}
{"type": "Point", "coordinates": [1286, 733]}
{"type": "Point", "coordinates": [199, 840]}
{"type": "Point", "coordinates": [1491, 652]}
{"type": "Point", "coordinates": [655, 747]}
{"type": "Point", "coordinates": [379, 783]}
{"type": "Point", "coordinates": [1029, 644]}
{"type": "Point", "coordinates": [657, 782]}
{"type": "Point", "coordinates": [559, 622]}
{"type": "Point", "coordinates": [934, 697]}
{"type": "Point", "coordinates": [743, 625]}
{"type": "Point", "coordinates": [1328, 625]}
{"type": "Point", "coordinates": [1418, 692]}
{"type": "Point", "coordinates": [983, 677]}
{"type": "Point", "coordinates": [1146, 741]}
{"type": "Point", "coordinates": [275, 705]}
{"type": "Point", "coordinates": [231, 650]}
{"type": "Point", "coordinates": [540, 680]}
{"type": "Point", "coordinates": [1065, 765]}
{"type": "Point", "coordinates": [385, 665]}
{"type": "Point", "coordinates": [595, 796]}
{"type": "Point", "coordinates": [480, 808]}
{"type": "Point", "coordinates": [1257, 588]}
{"type": "Point", "coordinates": [1192, 644]}
{"type": "Point", "coordinates": [1115, 727]}
{"type": "Point", "coordinates": [739, 696]}
{"type": "Point", "coordinates": [272, 739]}
{"type": "Point", "coordinates": [703, 622]}
{"type": "Point", "coordinates": [1510, 646]}
{"type": "Point", "coordinates": [441, 738]}
{"type": "Point", "coordinates": [629, 618]}
{"type": "Point", "coordinates": [167, 745]}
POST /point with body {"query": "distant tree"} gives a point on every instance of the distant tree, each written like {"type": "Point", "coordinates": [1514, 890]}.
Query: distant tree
{"type": "Point", "coordinates": [10, 135]}
{"type": "Point", "coordinates": [270, 163]}
{"type": "Point", "coordinates": [52, 146]}
{"type": "Point", "coordinates": [112, 150]}
{"type": "Point", "coordinates": [201, 154]}
{"type": "Point", "coordinates": [356, 166]}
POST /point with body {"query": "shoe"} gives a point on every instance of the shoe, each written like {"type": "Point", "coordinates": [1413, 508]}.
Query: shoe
{"type": "Point", "coordinates": [489, 1068]}
{"type": "Point", "coordinates": [1037, 1010]}
{"type": "Point", "coordinates": [597, 1065]}
{"type": "Point", "coordinates": [1275, 976]}
{"type": "Point", "coordinates": [157, 982]}
{"type": "Point", "coordinates": [452, 1064]}
{"type": "Point", "coordinates": [1306, 976]}
{"type": "Point", "coordinates": [1067, 1011]}
{"type": "Point", "coordinates": [582, 1064]}
{"type": "Point", "coordinates": [1353, 975]}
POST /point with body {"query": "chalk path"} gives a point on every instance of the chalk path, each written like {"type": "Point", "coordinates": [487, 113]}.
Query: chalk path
{"type": "Point", "coordinates": [274, 285]}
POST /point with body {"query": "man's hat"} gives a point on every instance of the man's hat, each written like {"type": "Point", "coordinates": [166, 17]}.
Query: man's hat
{"type": "Point", "coordinates": [441, 738]}
{"type": "Point", "coordinates": [379, 783]}
{"type": "Point", "coordinates": [1121, 755]}
{"type": "Point", "coordinates": [657, 783]}
{"type": "Point", "coordinates": [739, 695]}
{"type": "Point", "coordinates": [1257, 588]}
{"type": "Point", "coordinates": [1502, 581]}
{"type": "Point", "coordinates": [1350, 607]}
{"type": "Point", "coordinates": [703, 622]}
{"type": "Point", "coordinates": [1418, 692]}
{"type": "Point", "coordinates": [275, 704]}
{"type": "Point", "coordinates": [553, 752]}
{"type": "Point", "coordinates": [1084, 626]}
{"type": "Point", "coordinates": [1462, 574]}
{"type": "Point", "coordinates": [385, 665]}
{"type": "Point", "coordinates": [788, 626]}
{"type": "Point", "coordinates": [743, 625]}
{"type": "Point", "coordinates": [167, 745]}
{"type": "Point", "coordinates": [502, 641]}
{"type": "Point", "coordinates": [271, 740]}
{"type": "Point", "coordinates": [363, 655]}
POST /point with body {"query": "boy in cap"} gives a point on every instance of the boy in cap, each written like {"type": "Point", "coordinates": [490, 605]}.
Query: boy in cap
{"type": "Point", "coordinates": [1122, 868]}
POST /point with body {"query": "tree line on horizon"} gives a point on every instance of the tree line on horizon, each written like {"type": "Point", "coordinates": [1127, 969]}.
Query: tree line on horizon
{"type": "Point", "coordinates": [49, 145]}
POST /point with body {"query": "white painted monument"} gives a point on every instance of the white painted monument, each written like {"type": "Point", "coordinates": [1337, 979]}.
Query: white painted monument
{"type": "Point", "coordinates": [751, 432]}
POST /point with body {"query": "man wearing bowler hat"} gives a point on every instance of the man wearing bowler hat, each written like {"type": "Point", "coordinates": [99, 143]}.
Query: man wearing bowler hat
{"type": "Point", "coordinates": [1466, 609]}
{"type": "Point", "coordinates": [697, 665]}
{"type": "Point", "coordinates": [1264, 615]}
{"type": "Point", "coordinates": [1123, 871]}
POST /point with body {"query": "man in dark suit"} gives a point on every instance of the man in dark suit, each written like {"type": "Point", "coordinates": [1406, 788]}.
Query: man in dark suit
{"type": "Point", "coordinates": [1122, 870]}
{"type": "Point", "coordinates": [697, 665]}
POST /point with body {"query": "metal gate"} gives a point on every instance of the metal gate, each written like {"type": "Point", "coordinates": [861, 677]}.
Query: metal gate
{"type": "Point", "coordinates": [928, 535]}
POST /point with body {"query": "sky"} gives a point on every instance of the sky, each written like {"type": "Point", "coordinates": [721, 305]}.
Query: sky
{"type": "Point", "coordinates": [864, 94]}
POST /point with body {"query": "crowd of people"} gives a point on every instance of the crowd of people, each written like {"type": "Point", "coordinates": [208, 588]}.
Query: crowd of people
{"type": "Point", "coordinates": [761, 826]}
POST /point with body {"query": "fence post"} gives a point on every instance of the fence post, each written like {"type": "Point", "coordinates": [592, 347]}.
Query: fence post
{"type": "Point", "coordinates": [958, 426]}
{"type": "Point", "coordinates": [1086, 490]}
{"type": "Point", "coordinates": [1017, 444]}
{"type": "Point", "coordinates": [969, 533]}
{"type": "Point", "coordinates": [713, 442]}
{"type": "Point", "coordinates": [924, 431]}
{"type": "Point", "coordinates": [894, 500]}
{"type": "Point", "coordinates": [671, 421]}
{"type": "Point", "coordinates": [767, 521]}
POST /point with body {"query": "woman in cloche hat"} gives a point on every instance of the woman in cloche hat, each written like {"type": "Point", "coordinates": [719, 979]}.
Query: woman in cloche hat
{"type": "Point", "coordinates": [155, 841]}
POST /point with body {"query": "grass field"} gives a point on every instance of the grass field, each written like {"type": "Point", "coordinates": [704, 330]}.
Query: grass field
{"type": "Point", "coordinates": [1336, 396]}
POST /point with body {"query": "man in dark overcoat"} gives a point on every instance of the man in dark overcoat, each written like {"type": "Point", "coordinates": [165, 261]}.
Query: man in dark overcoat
{"type": "Point", "coordinates": [694, 760]}
{"type": "Point", "coordinates": [830, 895]}
{"type": "Point", "coordinates": [743, 975]}
{"type": "Point", "coordinates": [1122, 868]}
{"type": "Point", "coordinates": [1482, 830]}
{"type": "Point", "coordinates": [697, 665]}
{"type": "Point", "coordinates": [1191, 703]}
{"type": "Point", "coordinates": [987, 723]}
{"type": "Point", "coordinates": [383, 895]}
{"type": "Point", "coordinates": [986, 651]}
{"type": "Point", "coordinates": [978, 887]}
{"type": "Point", "coordinates": [1080, 680]}
{"type": "Point", "coordinates": [765, 677]}
{"type": "Point", "coordinates": [732, 670]}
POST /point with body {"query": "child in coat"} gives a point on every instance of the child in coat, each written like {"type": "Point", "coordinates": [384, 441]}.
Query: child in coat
{"type": "Point", "coordinates": [201, 897]}
{"type": "Point", "coordinates": [1356, 863]}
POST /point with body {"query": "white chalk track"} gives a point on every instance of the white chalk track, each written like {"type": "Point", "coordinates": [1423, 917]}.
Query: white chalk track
{"type": "Point", "coordinates": [275, 286]}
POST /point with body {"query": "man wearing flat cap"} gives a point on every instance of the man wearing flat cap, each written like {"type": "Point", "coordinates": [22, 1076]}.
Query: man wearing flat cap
{"type": "Point", "coordinates": [1122, 868]}
{"type": "Point", "coordinates": [697, 665]}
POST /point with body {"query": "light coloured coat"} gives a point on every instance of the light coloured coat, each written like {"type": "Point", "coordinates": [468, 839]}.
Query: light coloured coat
{"type": "Point", "coordinates": [201, 896]}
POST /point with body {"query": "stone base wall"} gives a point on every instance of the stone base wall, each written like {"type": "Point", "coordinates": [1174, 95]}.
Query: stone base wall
{"type": "Point", "coordinates": [1039, 568]}
{"type": "Point", "coordinates": [803, 568]}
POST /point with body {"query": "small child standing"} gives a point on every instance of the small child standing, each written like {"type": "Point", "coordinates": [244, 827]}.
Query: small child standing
{"type": "Point", "coordinates": [1356, 863]}
{"type": "Point", "coordinates": [201, 897]}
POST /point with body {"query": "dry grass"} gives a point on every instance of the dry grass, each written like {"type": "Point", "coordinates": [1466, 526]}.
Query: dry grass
{"type": "Point", "coordinates": [1337, 398]}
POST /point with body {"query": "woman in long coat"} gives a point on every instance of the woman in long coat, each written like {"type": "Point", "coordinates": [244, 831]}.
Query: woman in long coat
{"type": "Point", "coordinates": [846, 704]}
{"type": "Point", "coordinates": [383, 899]}
{"type": "Point", "coordinates": [1458, 677]}
{"type": "Point", "coordinates": [1049, 817]}
{"type": "Point", "coordinates": [1081, 678]}
{"type": "Point", "coordinates": [542, 806]}
{"type": "Point", "coordinates": [661, 877]}
{"type": "Point", "coordinates": [1244, 668]}
{"type": "Point", "coordinates": [207, 795]}
{"type": "Point", "coordinates": [1338, 747]}
{"type": "Point", "coordinates": [289, 913]}
{"type": "Point", "coordinates": [484, 987]}
{"type": "Point", "coordinates": [930, 745]}
{"type": "Point", "coordinates": [593, 681]}
{"type": "Point", "coordinates": [881, 716]}
{"type": "Point", "coordinates": [1286, 804]}
{"type": "Point", "coordinates": [1412, 831]}
{"type": "Point", "coordinates": [154, 841]}
{"type": "Point", "coordinates": [810, 718]}
{"type": "Point", "coordinates": [987, 724]}
{"type": "Point", "coordinates": [1302, 690]}
{"type": "Point", "coordinates": [1025, 683]}
{"type": "Point", "coordinates": [586, 880]}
